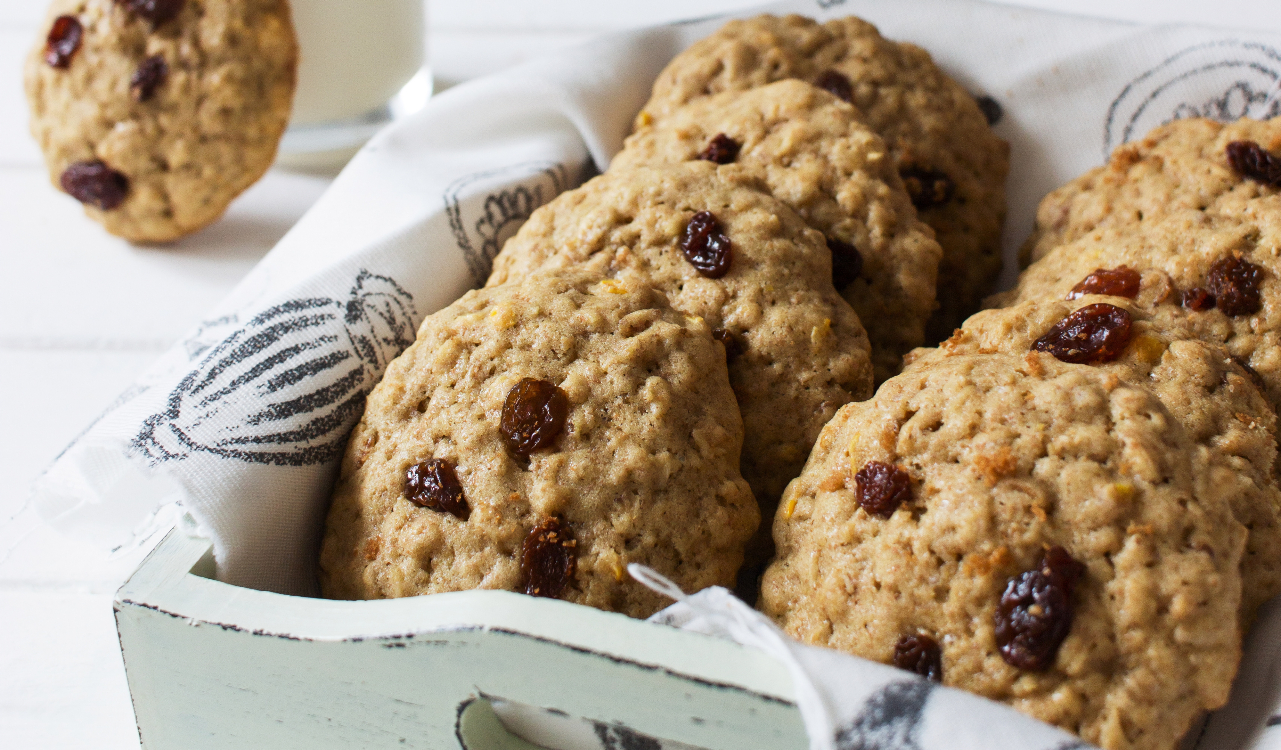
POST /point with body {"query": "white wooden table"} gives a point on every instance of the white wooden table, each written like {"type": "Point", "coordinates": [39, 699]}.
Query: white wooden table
{"type": "Point", "coordinates": [81, 313]}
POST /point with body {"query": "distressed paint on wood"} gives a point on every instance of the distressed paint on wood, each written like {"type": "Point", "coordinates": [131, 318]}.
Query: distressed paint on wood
{"type": "Point", "coordinates": [216, 666]}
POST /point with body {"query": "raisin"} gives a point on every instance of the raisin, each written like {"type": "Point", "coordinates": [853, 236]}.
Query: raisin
{"type": "Point", "coordinates": [722, 150]}
{"type": "Point", "coordinates": [533, 416]}
{"type": "Point", "coordinates": [836, 84]}
{"type": "Point", "coordinates": [882, 487]}
{"type": "Point", "coordinates": [927, 187]}
{"type": "Point", "coordinates": [155, 11]}
{"type": "Point", "coordinates": [1116, 282]}
{"type": "Point", "coordinates": [434, 484]}
{"type": "Point", "coordinates": [547, 559]}
{"type": "Point", "coordinates": [1095, 333]}
{"type": "Point", "coordinates": [1035, 612]}
{"type": "Point", "coordinates": [1235, 285]}
{"type": "Point", "coordinates": [148, 77]}
{"type": "Point", "coordinates": [96, 184]}
{"type": "Point", "coordinates": [705, 246]}
{"type": "Point", "coordinates": [63, 42]}
{"type": "Point", "coordinates": [1252, 161]}
{"type": "Point", "coordinates": [991, 109]}
{"type": "Point", "coordinates": [732, 343]}
{"type": "Point", "coordinates": [920, 654]}
{"type": "Point", "coordinates": [847, 263]}
{"type": "Point", "coordinates": [1197, 299]}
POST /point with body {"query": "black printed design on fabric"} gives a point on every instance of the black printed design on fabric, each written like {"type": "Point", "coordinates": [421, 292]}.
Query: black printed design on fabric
{"type": "Point", "coordinates": [614, 737]}
{"type": "Point", "coordinates": [889, 719]}
{"type": "Point", "coordinates": [1223, 80]}
{"type": "Point", "coordinates": [288, 386]}
{"type": "Point", "coordinates": [483, 221]}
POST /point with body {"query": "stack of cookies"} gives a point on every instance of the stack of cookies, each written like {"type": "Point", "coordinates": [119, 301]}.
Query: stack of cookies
{"type": "Point", "coordinates": [657, 351]}
{"type": "Point", "coordinates": [1071, 504]}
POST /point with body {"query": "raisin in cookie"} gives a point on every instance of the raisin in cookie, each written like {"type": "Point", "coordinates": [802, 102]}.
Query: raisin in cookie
{"type": "Point", "coordinates": [817, 157]}
{"type": "Point", "coordinates": [1213, 276]}
{"type": "Point", "coordinates": [1043, 530]}
{"type": "Point", "coordinates": [1183, 165]}
{"type": "Point", "coordinates": [722, 249]}
{"type": "Point", "coordinates": [1214, 398]}
{"type": "Point", "coordinates": [952, 163]}
{"type": "Point", "coordinates": [539, 437]}
{"type": "Point", "coordinates": [155, 115]}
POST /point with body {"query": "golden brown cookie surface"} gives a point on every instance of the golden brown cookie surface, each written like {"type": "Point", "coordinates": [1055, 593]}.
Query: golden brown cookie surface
{"type": "Point", "coordinates": [1180, 166]}
{"type": "Point", "coordinates": [1213, 397]}
{"type": "Point", "coordinates": [815, 155]}
{"type": "Point", "coordinates": [797, 350]}
{"type": "Point", "coordinates": [939, 139]}
{"type": "Point", "coordinates": [1007, 458]}
{"type": "Point", "coordinates": [643, 466]}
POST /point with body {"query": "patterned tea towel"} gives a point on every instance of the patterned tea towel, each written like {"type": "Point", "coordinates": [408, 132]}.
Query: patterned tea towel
{"type": "Point", "coordinates": [244, 420]}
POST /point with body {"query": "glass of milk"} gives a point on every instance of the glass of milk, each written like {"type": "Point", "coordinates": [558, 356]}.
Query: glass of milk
{"type": "Point", "coordinates": [361, 63]}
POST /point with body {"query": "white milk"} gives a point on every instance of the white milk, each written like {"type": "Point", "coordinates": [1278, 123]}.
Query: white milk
{"type": "Point", "coordinates": [355, 55]}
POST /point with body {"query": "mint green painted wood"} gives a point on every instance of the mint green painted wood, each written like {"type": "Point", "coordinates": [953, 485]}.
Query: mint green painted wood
{"type": "Point", "coordinates": [217, 666]}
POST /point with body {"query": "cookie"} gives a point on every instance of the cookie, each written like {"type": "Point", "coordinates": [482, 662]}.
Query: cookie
{"type": "Point", "coordinates": [1213, 397]}
{"type": "Point", "coordinates": [1180, 166]}
{"type": "Point", "coordinates": [796, 350]}
{"type": "Point", "coordinates": [1213, 276]}
{"type": "Point", "coordinates": [155, 115]}
{"type": "Point", "coordinates": [816, 156]}
{"type": "Point", "coordinates": [940, 141]}
{"type": "Point", "coordinates": [460, 475]}
{"type": "Point", "coordinates": [1039, 533]}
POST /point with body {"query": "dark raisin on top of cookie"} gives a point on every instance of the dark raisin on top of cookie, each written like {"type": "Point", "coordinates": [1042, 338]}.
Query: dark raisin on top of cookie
{"type": "Point", "coordinates": [927, 187]}
{"type": "Point", "coordinates": [434, 484]}
{"type": "Point", "coordinates": [1234, 282]}
{"type": "Point", "coordinates": [149, 76]}
{"type": "Point", "coordinates": [155, 11]}
{"type": "Point", "coordinates": [835, 83]}
{"type": "Point", "coordinates": [847, 262]}
{"type": "Point", "coordinates": [1122, 281]}
{"type": "Point", "coordinates": [547, 559]}
{"type": "Point", "coordinates": [1197, 299]}
{"type": "Point", "coordinates": [534, 415]}
{"type": "Point", "coordinates": [63, 41]}
{"type": "Point", "coordinates": [1034, 614]}
{"type": "Point", "coordinates": [1092, 335]}
{"type": "Point", "coordinates": [881, 488]}
{"type": "Point", "coordinates": [721, 150]}
{"type": "Point", "coordinates": [706, 246]}
{"type": "Point", "coordinates": [920, 654]}
{"type": "Point", "coordinates": [1252, 161]}
{"type": "Point", "coordinates": [96, 184]}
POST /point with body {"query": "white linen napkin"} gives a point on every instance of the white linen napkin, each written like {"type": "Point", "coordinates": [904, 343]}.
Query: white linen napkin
{"type": "Point", "coordinates": [243, 421]}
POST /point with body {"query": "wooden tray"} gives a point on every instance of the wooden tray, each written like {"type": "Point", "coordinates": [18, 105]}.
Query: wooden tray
{"type": "Point", "coordinates": [212, 665]}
